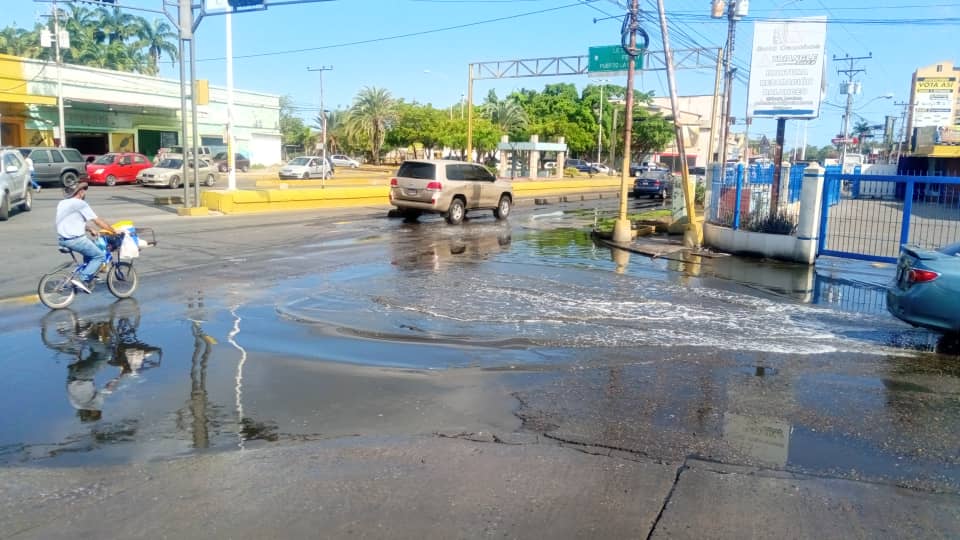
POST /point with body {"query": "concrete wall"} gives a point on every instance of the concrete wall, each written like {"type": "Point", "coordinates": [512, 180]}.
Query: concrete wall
{"type": "Point", "coordinates": [801, 247]}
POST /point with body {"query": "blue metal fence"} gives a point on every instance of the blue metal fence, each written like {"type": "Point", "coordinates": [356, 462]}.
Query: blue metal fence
{"type": "Point", "coordinates": [740, 195]}
{"type": "Point", "coordinates": [869, 217]}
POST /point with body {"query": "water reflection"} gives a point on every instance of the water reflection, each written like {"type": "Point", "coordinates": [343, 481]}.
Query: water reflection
{"type": "Point", "coordinates": [431, 249]}
{"type": "Point", "coordinates": [109, 345]}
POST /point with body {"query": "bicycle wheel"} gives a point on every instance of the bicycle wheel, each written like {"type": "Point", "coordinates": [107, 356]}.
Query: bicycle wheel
{"type": "Point", "coordinates": [122, 280]}
{"type": "Point", "coordinates": [58, 330]}
{"type": "Point", "coordinates": [55, 289]}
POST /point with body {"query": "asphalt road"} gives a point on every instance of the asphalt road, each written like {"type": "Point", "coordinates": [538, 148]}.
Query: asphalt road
{"type": "Point", "coordinates": [344, 374]}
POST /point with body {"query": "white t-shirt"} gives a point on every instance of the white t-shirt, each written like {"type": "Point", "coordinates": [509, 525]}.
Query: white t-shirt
{"type": "Point", "coordinates": [72, 217]}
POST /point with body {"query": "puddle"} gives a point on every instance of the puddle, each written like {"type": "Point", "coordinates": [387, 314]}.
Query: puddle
{"type": "Point", "coordinates": [416, 330]}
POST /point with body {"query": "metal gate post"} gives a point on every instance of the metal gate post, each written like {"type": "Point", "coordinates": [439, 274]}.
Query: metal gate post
{"type": "Point", "coordinates": [907, 210]}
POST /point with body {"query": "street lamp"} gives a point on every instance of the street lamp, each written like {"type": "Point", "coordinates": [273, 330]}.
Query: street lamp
{"type": "Point", "coordinates": [846, 120]}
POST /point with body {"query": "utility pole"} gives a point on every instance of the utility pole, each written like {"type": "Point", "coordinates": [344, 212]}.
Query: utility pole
{"type": "Point", "coordinates": [600, 124]}
{"type": "Point", "coordinates": [850, 88]}
{"type": "Point", "coordinates": [62, 142]}
{"type": "Point", "coordinates": [694, 236]}
{"type": "Point", "coordinates": [613, 140]}
{"type": "Point", "coordinates": [903, 127]}
{"type": "Point", "coordinates": [622, 228]}
{"type": "Point", "coordinates": [323, 123]}
{"type": "Point", "coordinates": [231, 141]}
{"type": "Point", "coordinates": [736, 9]}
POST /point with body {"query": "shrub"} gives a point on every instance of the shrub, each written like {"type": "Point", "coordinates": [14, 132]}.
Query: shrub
{"type": "Point", "coordinates": [779, 223]}
{"type": "Point", "coordinates": [570, 172]}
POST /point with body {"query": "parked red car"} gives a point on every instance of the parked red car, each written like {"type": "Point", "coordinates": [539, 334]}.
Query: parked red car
{"type": "Point", "coordinates": [117, 168]}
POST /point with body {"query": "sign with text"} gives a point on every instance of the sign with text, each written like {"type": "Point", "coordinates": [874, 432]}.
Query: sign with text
{"type": "Point", "coordinates": [611, 60]}
{"type": "Point", "coordinates": [933, 101]}
{"type": "Point", "coordinates": [786, 69]}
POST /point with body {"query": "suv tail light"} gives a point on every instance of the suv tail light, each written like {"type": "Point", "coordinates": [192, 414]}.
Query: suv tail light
{"type": "Point", "coordinates": [916, 275]}
{"type": "Point", "coordinates": [434, 186]}
{"type": "Point", "coordinates": [393, 182]}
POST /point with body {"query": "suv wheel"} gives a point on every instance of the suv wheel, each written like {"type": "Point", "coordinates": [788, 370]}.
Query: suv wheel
{"type": "Point", "coordinates": [503, 208]}
{"type": "Point", "coordinates": [456, 212]}
{"type": "Point", "coordinates": [68, 179]}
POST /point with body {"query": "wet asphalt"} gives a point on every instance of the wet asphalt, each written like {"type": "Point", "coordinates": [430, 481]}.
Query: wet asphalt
{"type": "Point", "coordinates": [325, 328]}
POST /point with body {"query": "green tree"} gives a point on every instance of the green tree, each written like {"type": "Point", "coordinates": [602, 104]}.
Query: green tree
{"type": "Point", "coordinates": [862, 131]}
{"type": "Point", "coordinates": [416, 126]}
{"type": "Point", "coordinates": [158, 38]}
{"type": "Point", "coordinates": [372, 114]}
{"type": "Point", "coordinates": [507, 115]}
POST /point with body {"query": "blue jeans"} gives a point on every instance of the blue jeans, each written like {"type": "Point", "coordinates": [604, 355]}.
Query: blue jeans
{"type": "Point", "coordinates": [93, 256]}
{"type": "Point", "coordinates": [33, 181]}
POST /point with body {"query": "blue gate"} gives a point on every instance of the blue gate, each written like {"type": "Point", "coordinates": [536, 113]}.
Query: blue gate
{"type": "Point", "coordinates": [868, 216]}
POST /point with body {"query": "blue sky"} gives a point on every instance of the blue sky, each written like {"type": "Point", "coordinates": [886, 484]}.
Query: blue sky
{"type": "Point", "coordinates": [431, 66]}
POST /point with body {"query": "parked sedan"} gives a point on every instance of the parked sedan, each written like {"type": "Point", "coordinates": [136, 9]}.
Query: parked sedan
{"type": "Point", "coordinates": [242, 163]}
{"type": "Point", "coordinates": [653, 184]}
{"type": "Point", "coordinates": [926, 290]}
{"type": "Point", "coordinates": [306, 167]}
{"type": "Point", "coordinates": [341, 160]}
{"type": "Point", "coordinates": [169, 173]}
{"type": "Point", "coordinates": [117, 168]}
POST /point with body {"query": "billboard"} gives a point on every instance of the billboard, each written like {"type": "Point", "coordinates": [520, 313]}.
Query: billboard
{"type": "Point", "coordinates": [933, 101]}
{"type": "Point", "coordinates": [786, 68]}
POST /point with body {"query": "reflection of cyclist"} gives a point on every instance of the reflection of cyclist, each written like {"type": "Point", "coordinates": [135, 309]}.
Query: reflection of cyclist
{"type": "Point", "coordinates": [95, 345]}
{"type": "Point", "coordinates": [73, 213]}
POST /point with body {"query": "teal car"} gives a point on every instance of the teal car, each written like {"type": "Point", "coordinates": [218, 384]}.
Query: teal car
{"type": "Point", "coordinates": [926, 291]}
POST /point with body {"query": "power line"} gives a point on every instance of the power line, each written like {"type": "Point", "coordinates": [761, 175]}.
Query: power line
{"type": "Point", "coordinates": [400, 36]}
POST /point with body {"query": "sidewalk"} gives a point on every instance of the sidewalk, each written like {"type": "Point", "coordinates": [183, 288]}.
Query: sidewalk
{"type": "Point", "coordinates": [456, 486]}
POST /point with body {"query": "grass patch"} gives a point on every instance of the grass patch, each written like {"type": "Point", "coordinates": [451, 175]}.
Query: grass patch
{"type": "Point", "coordinates": [606, 224]}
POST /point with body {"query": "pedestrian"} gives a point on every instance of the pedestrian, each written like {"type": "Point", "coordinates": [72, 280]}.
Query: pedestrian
{"type": "Point", "coordinates": [73, 213]}
{"type": "Point", "coordinates": [33, 174]}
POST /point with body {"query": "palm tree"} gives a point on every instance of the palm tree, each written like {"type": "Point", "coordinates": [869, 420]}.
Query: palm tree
{"type": "Point", "coordinates": [507, 114]}
{"type": "Point", "coordinates": [862, 131]}
{"type": "Point", "coordinates": [20, 42]}
{"type": "Point", "coordinates": [373, 110]}
{"type": "Point", "coordinates": [115, 25]}
{"type": "Point", "coordinates": [159, 39]}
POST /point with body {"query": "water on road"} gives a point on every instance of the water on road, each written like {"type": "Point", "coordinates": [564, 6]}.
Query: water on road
{"type": "Point", "coordinates": [490, 327]}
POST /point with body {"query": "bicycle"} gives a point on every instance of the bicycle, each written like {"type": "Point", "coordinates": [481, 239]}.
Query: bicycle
{"type": "Point", "coordinates": [56, 290]}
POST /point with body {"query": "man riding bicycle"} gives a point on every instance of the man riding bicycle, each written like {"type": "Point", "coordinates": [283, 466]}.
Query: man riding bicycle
{"type": "Point", "coordinates": [73, 213]}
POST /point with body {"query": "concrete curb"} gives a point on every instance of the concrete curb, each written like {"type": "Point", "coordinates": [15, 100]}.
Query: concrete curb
{"type": "Point", "coordinates": [284, 198]}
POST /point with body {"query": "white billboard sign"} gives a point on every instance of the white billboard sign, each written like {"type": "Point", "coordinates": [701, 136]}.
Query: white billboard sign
{"type": "Point", "coordinates": [786, 69]}
{"type": "Point", "coordinates": [933, 101]}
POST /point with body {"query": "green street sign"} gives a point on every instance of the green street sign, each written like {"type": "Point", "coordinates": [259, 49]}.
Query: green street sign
{"type": "Point", "coordinates": [611, 60]}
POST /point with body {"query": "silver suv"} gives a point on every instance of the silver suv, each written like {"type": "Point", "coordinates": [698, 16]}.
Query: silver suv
{"type": "Point", "coordinates": [449, 188]}
{"type": "Point", "coordinates": [64, 166]}
{"type": "Point", "coordinates": [14, 183]}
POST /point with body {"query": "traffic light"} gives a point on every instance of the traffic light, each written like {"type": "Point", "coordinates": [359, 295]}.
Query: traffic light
{"type": "Point", "coordinates": [244, 3]}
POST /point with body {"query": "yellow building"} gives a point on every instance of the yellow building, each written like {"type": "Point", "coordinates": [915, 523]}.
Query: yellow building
{"type": "Point", "coordinates": [933, 119]}
{"type": "Point", "coordinates": [18, 105]}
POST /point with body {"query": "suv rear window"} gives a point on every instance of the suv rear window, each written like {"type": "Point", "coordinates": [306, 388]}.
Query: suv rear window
{"type": "Point", "coordinates": [57, 156]}
{"type": "Point", "coordinates": [72, 155]}
{"type": "Point", "coordinates": [421, 171]}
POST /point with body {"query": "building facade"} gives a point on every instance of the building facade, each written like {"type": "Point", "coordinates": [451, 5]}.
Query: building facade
{"type": "Point", "coordinates": [107, 110]}
{"type": "Point", "coordinates": [933, 118]}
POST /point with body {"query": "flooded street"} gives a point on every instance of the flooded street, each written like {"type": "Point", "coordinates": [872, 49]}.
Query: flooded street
{"type": "Point", "coordinates": [489, 331]}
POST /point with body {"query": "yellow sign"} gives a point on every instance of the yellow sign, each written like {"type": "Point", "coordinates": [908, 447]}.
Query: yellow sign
{"type": "Point", "coordinates": [935, 84]}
